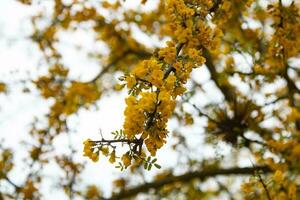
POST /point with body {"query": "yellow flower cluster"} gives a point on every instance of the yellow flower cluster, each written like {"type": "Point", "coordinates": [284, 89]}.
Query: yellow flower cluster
{"type": "Point", "coordinates": [92, 192]}
{"type": "Point", "coordinates": [149, 70]}
{"type": "Point", "coordinates": [278, 187]}
{"type": "Point", "coordinates": [155, 136]}
{"type": "Point", "coordinates": [79, 94]}
{"type": "Point", "coordinates": [156, 106]}
{"type": "Point", "coordinates": [135, 117]}
{"type": "Point", "coordinates": [29, 190]}
{"type": "Point", "coordinates": [51, 85]}
{"type": "Point", "coordinates": [126, 159]}
{"type": "Point", "coordinates": [5, 162]}
{"type": "Point", "coordinates": [112, 158]}
{"type": "Point", "coordinates": [182, 10]}
{"type": "Point", "coordinates": [155, 83]}
{"type": "Point", "coordinates": [186, 28]}
{"type": "Point", "coordinates": [285, 42]}
{"type": "Point", "coordinates": [2, 87]}
{"type": "Point", "coordinates": [89, 151]}
{"type": "Point", "coordinates": [149, 109]}
{"type": "Point", "coordinates": [278, 176]}
{"type": "Point", "coordinates": [168, 53]}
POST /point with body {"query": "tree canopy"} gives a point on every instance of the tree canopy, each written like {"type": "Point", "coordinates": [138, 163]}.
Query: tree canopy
{"type": "Point", "coordinates": [201, 76]}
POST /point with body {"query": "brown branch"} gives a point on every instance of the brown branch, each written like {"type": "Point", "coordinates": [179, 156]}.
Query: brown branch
{"type": "Point", "coordinates": [17, 188]}
{"type": "Point", "coordinates": [117, 140]}
{"type": "Point", "coordinates": [264, 186]}
{"type": "Point", "coordinates": [226, 90]}
{"type": "Point", "coordinates": [215, 6]}
{"type": "Point", "coordinates": [108, 66]}
{"type": "Point", "coordinates": [166, 74]}
{"type": "Point", "coordinates": [188, 177]}
{"type": "Point", "coordinates": [105, 69]}
{"type": "Point", "coordinates": [276, 100]}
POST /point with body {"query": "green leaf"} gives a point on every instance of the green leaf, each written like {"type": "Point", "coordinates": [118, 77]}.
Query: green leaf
{"type": "Point", "coordinates": [154, 160]}
{"type": "Point", "coordinates": [149, 167]}
{"type": "Point", "coordinates": [157, 166]}
{"type": "Point", "coordinates": [145, 165]}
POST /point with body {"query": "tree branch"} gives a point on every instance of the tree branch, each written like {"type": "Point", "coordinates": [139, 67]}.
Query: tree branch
{"type": "Point", "coordinates": [226, 90]}
{"type": "Point", "coordinates": [142, 54]}
{"type": "Point", "coordinates": [166, 74]}
{"type": "Point", "coordinates": [17, 188]}
{"type": "Point", "coordinates": [188, 177]}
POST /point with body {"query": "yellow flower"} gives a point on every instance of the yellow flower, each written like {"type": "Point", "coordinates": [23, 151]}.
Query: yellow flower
{"type": "Point", "coordinates": [278, 176]}
{"type": "Point", "coordinates": [170, 81]}
{"type": "Point", "coordinates": [148, 100]}
{"type": "Point", "coordinates": [247, 187]}
{"type": "Point", "coordinates": [131, 81]}
{"type": "Point", "coordinates": [157, 77]}
{"type": "Point", "coordinates": [188, 119]}
{"type": "Point", "coordinates": [179, 90]}
{"type": "Point", "coordinates": [2, 87]}
{"type": "Point", "coordinates": [281, 196]}
{"type": "Point", "coordinates": [126, 159]}
{"type": "Point", "coordinates": [131, 100]}
{"type": "Point", "coordinates": [89, 152]}
{"type": "Point", "coordinates": [105, 151]}
{"type": "Point", "coordinates": [95, 157]}
{"type": "Point", "coordinates": [292, 191]}
{"type": "Point", "coordinates": [168, 53]}
{"type": "Point", "coordinates": [87, 148]}
{"type": "Point", "coordinates": [118, 87]}
{"type": "Point", "coordinates": [140, 70]}
{"type": "Point", "coordinates": [92, 192]}
{"type": "Point", "coordinates": [120, 182]}
{"type": "Point", "coordinates": [296, 151]}
{"type": "Point", "coordinates": [164, 95]}
{"type": "Point", "coordinates": [28, 190]}
{"type": "Point", "coordinates": [112, 158]}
